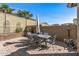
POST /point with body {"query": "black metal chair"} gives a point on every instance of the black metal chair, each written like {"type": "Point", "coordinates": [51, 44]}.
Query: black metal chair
{"type": "Point", "coordinates": [30, 37]}
{"type": "Point", "coordinates": [37, 40]}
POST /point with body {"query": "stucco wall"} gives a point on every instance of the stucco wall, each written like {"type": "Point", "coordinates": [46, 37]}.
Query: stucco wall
{"type": "Point", "coordinates": [31, 23]}
{"type": "Point", "coordinates": [13, 21]}
{"type": "Point", "coordinates": [61, 31]}
{"type": "Point", "coordinates": [1, 22]}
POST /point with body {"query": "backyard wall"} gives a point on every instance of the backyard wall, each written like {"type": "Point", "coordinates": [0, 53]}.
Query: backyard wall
{"type": "Point", "coordinates": [61, 31]}
{"type": "Point", "coordinates": [13, 21]}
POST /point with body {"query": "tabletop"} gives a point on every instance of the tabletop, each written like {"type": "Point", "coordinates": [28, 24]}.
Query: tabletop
{"type": "Point", "coordinates": [44, 36]}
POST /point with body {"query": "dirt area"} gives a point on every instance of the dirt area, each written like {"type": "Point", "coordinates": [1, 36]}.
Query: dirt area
{"type": "Point", "coordinates": [10, 36]}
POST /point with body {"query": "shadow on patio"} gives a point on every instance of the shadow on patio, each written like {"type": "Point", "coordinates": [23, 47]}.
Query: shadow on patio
{"type": "Point", "coordinates": [25, 45]}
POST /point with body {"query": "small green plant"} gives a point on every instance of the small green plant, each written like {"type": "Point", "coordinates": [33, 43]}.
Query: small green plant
{"type": "Point", "coordinates": [29, 29]}
{"type": "Point", "coordinates": [18, 30]}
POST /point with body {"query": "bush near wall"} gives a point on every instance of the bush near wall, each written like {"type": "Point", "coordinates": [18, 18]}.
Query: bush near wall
{"type": "Point", "coordinates": [18, 30]}
{"type": "Point", "coordinates": [31, 29]}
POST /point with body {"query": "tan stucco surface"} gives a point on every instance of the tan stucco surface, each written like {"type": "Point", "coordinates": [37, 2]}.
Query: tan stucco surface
{"type": "Point", "coordinates": [13, 20]}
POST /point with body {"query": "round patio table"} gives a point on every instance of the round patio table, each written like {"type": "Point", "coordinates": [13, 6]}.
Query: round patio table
{"type": "Point", "coordinates": [44, 37]}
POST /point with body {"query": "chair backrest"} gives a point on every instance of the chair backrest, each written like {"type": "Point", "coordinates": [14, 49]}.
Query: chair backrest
{"type": "Point", "coordinates": [52, 40]}
{"type": "Point", "coordinates": [40, 33]}
{"type": "Point", "coordinates": [28, 33]}
{"type": "Point", "coordinates": [46, 33]}
{"type": "Point", "coordinates": [65, 40]}
{"type": "Point", "coordinates": [35, 37]}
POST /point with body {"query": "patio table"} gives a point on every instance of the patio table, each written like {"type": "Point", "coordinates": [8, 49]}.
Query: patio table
{"type": "Point", "coordinates": [44, 37]}
{"type": "Point", "coordinates": [34, 34]}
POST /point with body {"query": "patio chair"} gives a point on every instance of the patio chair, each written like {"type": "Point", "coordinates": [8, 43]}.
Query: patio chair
{"type": "Point", "coordinates": [40, 33]}
{"type": "Point", "coordinates": [72, 44]}
{"type": "Point", "coordinates": [45, 33]}
{"type": "Point", "coordinates": [38, 41]}
{"type": "Point", "coordinates": [66, 41]}
{"type": "Point", "coordinates": [36, 38]}
{"type": "Point", "coordinates": [50, 40]}
{"type": "Point", "coordinates": [54, 39]}
{"type": "Point", "coordinates": [29, 35]}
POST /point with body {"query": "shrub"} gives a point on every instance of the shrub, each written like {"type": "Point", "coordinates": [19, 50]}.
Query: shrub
{"type": "Point", "coordinates": [18, 30]}
{"type": "Point", "coordinates": [27, 29]}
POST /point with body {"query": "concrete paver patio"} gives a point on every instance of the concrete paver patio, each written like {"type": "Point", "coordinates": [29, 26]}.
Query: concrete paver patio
{"type": "Point", "coordinates": [19, 47]}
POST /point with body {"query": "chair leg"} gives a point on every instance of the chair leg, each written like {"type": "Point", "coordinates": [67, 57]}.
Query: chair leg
{"type": "Point", "coordinates": [53, 47]}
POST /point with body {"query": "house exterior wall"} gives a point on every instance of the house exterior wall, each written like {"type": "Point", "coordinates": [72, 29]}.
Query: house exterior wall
{"type": "Point", "coordinates": [78, 28]}
{"type": "Point", "coordinates": [13, 20]}
{"type": "Point", "coordinates": [75, 21]}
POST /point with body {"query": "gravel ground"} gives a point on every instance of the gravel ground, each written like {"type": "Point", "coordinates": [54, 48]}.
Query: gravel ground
{"type": "Point", "coordinates": [7, 49]}
{"type": "Point", "coordinates": [19, 47]}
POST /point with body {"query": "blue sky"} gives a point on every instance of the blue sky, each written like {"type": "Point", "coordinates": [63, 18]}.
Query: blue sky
{"type": "Point", "coordinates": [48, 12]}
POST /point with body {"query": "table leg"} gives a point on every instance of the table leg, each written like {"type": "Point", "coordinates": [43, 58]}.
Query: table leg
{"type": "Point", "coordinates": [45, 42]}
